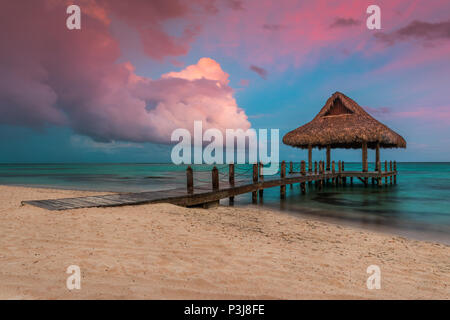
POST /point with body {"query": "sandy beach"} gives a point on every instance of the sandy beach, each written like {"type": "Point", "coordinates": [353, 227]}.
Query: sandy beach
{"type": "Point", "coordinates": [168, 252]}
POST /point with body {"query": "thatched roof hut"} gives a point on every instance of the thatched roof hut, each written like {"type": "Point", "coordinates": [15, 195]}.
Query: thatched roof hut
{"type": "Point", "coordinates": [342, 123]}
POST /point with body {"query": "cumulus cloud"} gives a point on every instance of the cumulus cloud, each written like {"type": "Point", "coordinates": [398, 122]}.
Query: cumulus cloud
{"type": "Point", "coordinates": [195, 93]}
{"type": "Point", "coordinates": [53, 76]}
{"type": "Point", "coordinates": [417, 30]}
{"type": "Point", "coordinates": [206, 68]}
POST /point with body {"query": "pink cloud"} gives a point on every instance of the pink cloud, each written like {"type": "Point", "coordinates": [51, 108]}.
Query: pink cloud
{"type": "Point", "coordinates": [291, 32]}
{"type": "Point", "coordinates": [53, 76]}
{"type": "Point", "coordinates": [417, 30]}
{"type": "Point", "coordinates": [260, 71]}
{"type": "Point", "coordinates": [378, 111]}
{"type": "Point", "coordinates": [244, 82]}
{"type": "Point", "coordinates": [345, 22]}
{"type": "Point", "coordinates": [438, 114]}
{"type": "Point", "coordinates": [206, 68]}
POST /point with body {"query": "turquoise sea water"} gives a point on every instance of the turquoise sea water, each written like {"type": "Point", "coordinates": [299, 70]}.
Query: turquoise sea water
{"type": "Point", "coordinates": [418, 206]}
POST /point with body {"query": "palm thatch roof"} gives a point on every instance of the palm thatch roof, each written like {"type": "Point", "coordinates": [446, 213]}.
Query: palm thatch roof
{"type": "Point", "coordinates": [342, 123]}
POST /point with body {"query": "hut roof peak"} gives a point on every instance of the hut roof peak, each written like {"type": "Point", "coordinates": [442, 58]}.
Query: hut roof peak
{"type": "Point", "coordinates": [342, 123]}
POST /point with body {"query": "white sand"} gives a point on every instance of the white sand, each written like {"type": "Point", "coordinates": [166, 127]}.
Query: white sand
{"type": "Point", "coordinates": [167, 252]}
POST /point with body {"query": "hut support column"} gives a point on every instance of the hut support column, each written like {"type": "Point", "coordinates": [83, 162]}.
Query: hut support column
{"type": "Point", "coordinates": [364, 160]}
{"type": "Point", "coordinates": [364, 157]}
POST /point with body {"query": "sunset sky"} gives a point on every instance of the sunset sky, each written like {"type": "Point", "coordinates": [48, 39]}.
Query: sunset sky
{"type": "Point", "coordinates": [116, 89]}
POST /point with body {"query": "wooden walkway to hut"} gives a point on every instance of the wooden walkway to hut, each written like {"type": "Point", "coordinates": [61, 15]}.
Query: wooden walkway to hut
{"type": "Point", "coordinates": [210, 194]}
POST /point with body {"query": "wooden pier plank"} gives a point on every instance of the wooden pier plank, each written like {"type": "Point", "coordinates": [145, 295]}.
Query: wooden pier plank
{"type": "Point", "coordinates": [201, 194]}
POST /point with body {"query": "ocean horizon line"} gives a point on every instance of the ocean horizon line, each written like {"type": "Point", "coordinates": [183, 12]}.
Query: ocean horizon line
{"type": "Point", "coordinates": [170, 163]}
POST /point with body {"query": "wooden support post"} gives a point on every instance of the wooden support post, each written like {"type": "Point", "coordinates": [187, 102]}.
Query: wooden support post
{"type": "Point", "coordinates": [365, 166]}
{"type": "Point", "coordinates": [215, 178]}
{"type": "Point", "coordinates": [282, 176]}
{"type": "Point", "coordinates": [291, 170]}
{"type": "Point", "coordinates": [310, 164]}
{"type": "Point", "coordinates": [379, 172]}
{"type": "Point", "coordinates": [190, 180]}
{"type": "Point", "coordinates": [323, 171]}
{"type": "Point", "coordinates": [310, 158]}
{"type": "Point", "coordinates": [390, 169]}
{"type": "Point", "coordinates": [385, 169]}
{"type": "Point", "coordinates": [344, 179]}
{"type": "Point", "coordinates": [303, 172]}
{"type": "Point", "coordinates": [231, 181]}
{"type": "Point", "coordinates": [255, 180]}
{"type": "Point", "coordinates": [215, 187]}
{"type": "Point", "coordinates": [321, 174]}
{"type": "Point", "coordinates": [339, 179]}
{"type": "Point", "coordinates": [261, 178]}
{"type": "Point", "coordinates": [315, 173]}
{"type": "Point", "coordinates": [395, 172]}
{"type": "Point", "coordinates": [364, 157]}
{"type": "Point", "coordinates": [377, 156]}
{"type": "Point", "coordinates": [333, 170]}
{"type": "Point", "coordinates": [328, 157]}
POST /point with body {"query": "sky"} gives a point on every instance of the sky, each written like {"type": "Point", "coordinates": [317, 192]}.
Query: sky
{"type": "Point", "coordinates": [115, 90]}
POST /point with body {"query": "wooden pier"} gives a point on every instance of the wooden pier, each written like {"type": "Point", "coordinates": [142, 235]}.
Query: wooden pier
{"type": "Point", "coordinates": [207, 195]}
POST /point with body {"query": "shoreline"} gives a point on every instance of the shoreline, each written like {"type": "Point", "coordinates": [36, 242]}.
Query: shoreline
{"type": "Point", "coordinates": [162, 251]}
{"type": "Point", "coordinates": [420, 235]}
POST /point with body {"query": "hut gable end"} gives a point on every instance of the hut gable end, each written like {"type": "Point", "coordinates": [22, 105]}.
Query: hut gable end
{"type": "Point", "coordinates": [337, 108]}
